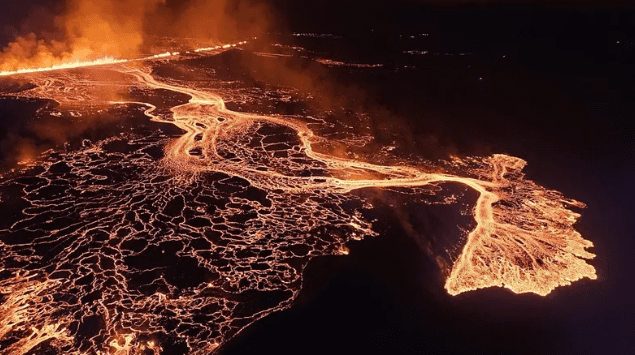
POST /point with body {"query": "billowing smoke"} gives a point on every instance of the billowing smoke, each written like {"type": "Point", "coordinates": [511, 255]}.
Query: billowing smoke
{"type": "Point", "coordinates": [113, 27]}
{"type": "Point", "coordinates": [82, 30]}
{"type": "Point", "coordinates": [211, 20]}
{"type": "Point", "coordinates": [87, 30]}
{"type": "Point", "coordinates": [91, 29]}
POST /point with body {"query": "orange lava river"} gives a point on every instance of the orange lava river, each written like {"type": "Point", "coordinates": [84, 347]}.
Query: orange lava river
{"type": "Point", "coordinates": [244, 200]}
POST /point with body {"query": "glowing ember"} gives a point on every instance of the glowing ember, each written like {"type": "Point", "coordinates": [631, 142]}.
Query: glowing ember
{"type": "Point", "coordinates": [242, 200]}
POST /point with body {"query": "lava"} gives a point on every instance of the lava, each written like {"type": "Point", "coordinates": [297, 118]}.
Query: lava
{"type": "Point", "coordinates": [531, 247]}
{"type": "Point", "coordinates": [68, 65]}
{"type": "Point", "coordinates": [138, 240]}
{"type": "Point", "coordinates": [110, 60]}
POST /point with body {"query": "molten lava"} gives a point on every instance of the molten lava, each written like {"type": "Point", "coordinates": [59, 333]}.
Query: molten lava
{"type": "Point", "coordinates": [108, 60]}
{"type": "Point", "coordinates": [244, 200]}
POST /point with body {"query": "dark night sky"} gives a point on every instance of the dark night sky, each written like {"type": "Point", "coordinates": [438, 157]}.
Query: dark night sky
{"type": "Point", "coordinates": [572, 102]}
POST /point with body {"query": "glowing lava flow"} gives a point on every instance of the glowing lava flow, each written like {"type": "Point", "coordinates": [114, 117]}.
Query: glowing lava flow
{"type": "Point", "coordinates": [70, 65]}
{"type": "Point", "coordinates": [143, 241]}
{"type": "Point", "coordinates": [524, 239]}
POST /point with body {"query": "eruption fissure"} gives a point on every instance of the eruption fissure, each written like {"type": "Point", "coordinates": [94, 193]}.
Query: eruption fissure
{"type": "Point", "coordinates": [111, 60]}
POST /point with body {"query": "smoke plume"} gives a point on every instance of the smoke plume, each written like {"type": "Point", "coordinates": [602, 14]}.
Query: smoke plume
{"type": "Point", "coordinates": [211, 20]}
{"type": "Point", "coordinates": [91, 29]}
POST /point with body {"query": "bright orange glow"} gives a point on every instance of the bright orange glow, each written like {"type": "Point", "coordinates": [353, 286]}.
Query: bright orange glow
{"type": "Point", "coordinates": [86, 30]}
{"type": "Point", "coordinates": [17, 311]}
{"type": "Point", "coordinates": [280, 203]}
{"type": "Point", "coordinates": [108, 60]}
{"type": "Point", "coordinates": [67, 65]}
{"type": "Point", "coordinates": [529, 247]}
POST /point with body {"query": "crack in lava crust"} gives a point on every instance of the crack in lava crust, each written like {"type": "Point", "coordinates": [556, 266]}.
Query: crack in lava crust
{"type": "Point", "coordinates": [121, 253]}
